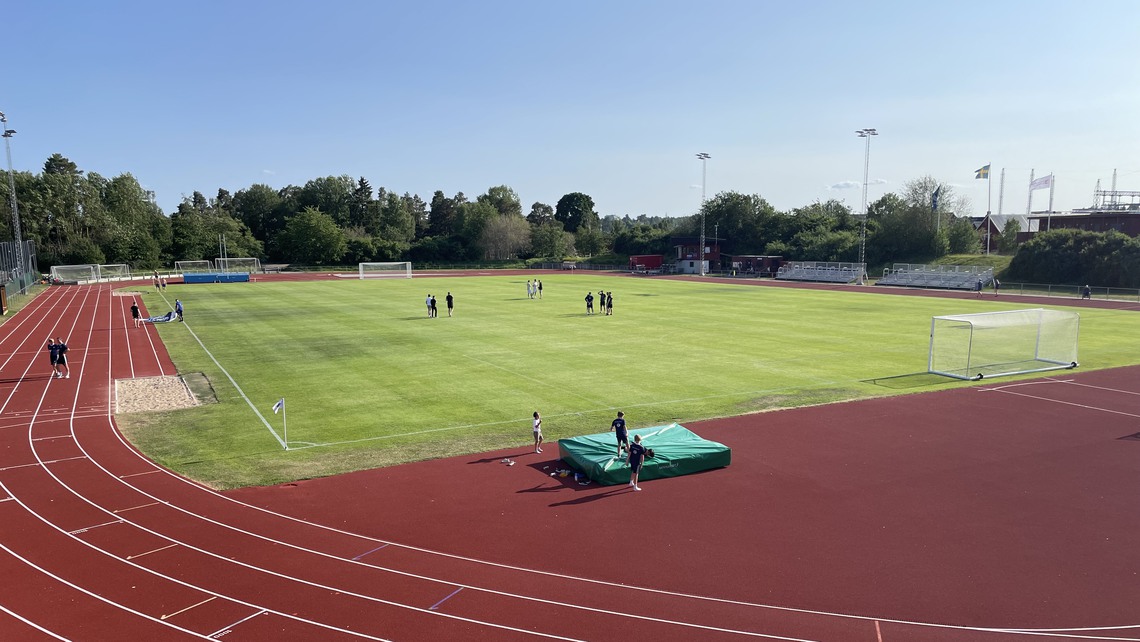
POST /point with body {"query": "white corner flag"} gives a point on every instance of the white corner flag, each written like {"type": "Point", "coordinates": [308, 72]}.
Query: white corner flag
{"type": "Point", "coordinates": [280, 405]}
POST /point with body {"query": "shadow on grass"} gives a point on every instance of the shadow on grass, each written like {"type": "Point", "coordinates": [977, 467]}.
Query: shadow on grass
{"type": "Point", "coordinates": [914, 380]}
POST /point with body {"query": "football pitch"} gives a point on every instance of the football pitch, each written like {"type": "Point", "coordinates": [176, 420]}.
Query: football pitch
{"type": "Point", "coordinates": [369, 380]}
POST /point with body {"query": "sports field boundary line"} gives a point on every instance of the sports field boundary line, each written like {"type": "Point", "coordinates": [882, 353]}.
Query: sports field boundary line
{"type": "Point", "coordinates": [241, 392]}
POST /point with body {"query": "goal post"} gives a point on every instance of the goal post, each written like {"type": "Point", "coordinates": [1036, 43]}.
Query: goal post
{"type": "Point", "coordinates": [113, 272]}
{"type": "Point", "coordinates": [194, 267]}
{"type": "Point", "coordinates": [228, 264]}
{"type": "Point", "coordinates": [994, 344]}
{"type": "Point", "coordinates": [75, 273]}
{"type": "Point", "coordinates": [398, 269]}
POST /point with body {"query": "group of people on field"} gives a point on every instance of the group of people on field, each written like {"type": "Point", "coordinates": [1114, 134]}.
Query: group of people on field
{"type": "Point", "coordinates": [433, 311]}
{"type": "Point", "coordinates": [534, 289]}
{"type": "Point", "coordinates": [605, 302]}
{"type": "Point", "coordinates": [635, 452]}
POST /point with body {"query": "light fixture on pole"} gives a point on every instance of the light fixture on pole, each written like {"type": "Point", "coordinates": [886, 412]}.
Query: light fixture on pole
{"type": "Point", "coordinates": [704, 174]}
{"type": "Point", "coordinates": [867, 133]}
{"type": "Point", "coordinates": [19, 242]}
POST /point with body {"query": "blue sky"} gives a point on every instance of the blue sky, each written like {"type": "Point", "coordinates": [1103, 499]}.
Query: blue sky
{"type": "Point", "coordinates": [613, 99]}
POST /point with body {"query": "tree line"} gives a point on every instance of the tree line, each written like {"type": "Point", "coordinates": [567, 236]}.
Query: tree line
{"type": "Point", "coordinates": [78, 217]}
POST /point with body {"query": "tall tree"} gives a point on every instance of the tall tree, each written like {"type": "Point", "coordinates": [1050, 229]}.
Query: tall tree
{"type": "Point", "coordinates": [312, 238]}
{"type": "Point", "coordinates": [332, 195]}
{"type": "Point", "coordinates": [505, 237]}
{"type": "Point", "coordinates": [575, 210]}
{"type": "Point", "coordinates": [540, 213]}
{"type": "Point", "coordinates": [503, 199]}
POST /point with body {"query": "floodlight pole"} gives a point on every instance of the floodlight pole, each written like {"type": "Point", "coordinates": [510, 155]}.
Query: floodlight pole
{"type": "Point", "coordinates": [19, 241]}
{"type": "Point", "coordinates": [704, 174]}
{"type": "Point", "coordinates": [867, 133]}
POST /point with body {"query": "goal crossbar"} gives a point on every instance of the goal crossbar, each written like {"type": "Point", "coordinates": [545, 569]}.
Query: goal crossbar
{"type": "Point", "coordinates": [994, 344]}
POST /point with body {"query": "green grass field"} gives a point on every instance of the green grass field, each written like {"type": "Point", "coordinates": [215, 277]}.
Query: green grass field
{"type": "Point", "coordinates": [369, 380]}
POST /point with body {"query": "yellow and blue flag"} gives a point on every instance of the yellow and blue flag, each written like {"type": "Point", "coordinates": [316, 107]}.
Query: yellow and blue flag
{"type": "Point", "coordinates": [983, 172]}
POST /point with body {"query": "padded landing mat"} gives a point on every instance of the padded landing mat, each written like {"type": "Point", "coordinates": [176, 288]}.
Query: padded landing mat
{"type": "Point", "coordinates": [677, 451]}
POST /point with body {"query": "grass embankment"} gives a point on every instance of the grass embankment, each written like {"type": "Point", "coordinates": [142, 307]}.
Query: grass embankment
{"type": "Point", "coordinates": [370, 381]}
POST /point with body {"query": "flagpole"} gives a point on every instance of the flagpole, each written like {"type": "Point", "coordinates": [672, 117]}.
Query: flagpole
{"type": "Point", "coordinates": [1029, 203]}
{"type": "Point", "coordinates": [1001, 192]}
{"type": "Point", "coordinates": [989, 188]}
{"type": "Point", "coordinates": [1052, 184]}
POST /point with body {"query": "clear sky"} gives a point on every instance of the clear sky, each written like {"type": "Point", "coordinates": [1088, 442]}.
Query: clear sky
{"type": "Point", "coordinates": [612, 99]}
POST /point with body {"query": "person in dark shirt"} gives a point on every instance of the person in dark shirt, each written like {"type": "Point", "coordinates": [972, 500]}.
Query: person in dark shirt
{"type": "Point", "coordinates": [609, 302]}
{"type": "Point", "coordinates": [178, 308]}
{"type": "Point", "coordinates": [135, 313]}
{"type": "Point", "coordinates": [618, 426]}
{"type": "Point", "coordinates": [450, 303]}
{"type": "Point", "coordinates": [53, 352]}
{"type": "Point", "coordinates": [636, 458]}
{"type": "Point", "coordinates": [61, 360]}
{"type": "Point", "coordinates": [538, 287]}
{"type": "Point", "coordinates": [589, 303]}
{"type": "Point", "coordinates": [434, 308]}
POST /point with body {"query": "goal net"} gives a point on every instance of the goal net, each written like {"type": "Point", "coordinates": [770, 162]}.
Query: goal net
{"type": "Point", "coordinates": [992, 344]}
{"type": "Point", "coordinates": [194, 267]}
{"type": "Point", "coordinates": [114, 272]}
{"type": "Point", "coordinates": [75, 273]}
{"type": "Point", "coordinates": [401, 270]}
{"type": "Point", "coordinates": [253, 266]}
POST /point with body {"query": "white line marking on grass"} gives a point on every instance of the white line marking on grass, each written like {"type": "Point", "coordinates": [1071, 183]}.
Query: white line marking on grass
{"type": "Point", "coordinates": [413, 433]}
{"type": "Point", "coordinates": [236, 386]}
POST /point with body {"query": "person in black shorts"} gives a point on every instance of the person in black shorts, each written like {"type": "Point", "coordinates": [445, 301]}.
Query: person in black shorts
{"type": "Point", "coordinates": [178, 309]}
{"type": "Point", "coordinates": [135, 313]}
{"type": "Point", "coordinates": [618, 426]}
{"type": "Point", "coordinates": [636, 458]}
{"type": "Point", "coordinates": [61, 360]}
{"type": "Point", "coordinates": [53, 352]}
{"type": "Point", "coordinates": [450, 303]}
{"type": "Point", "coordinates": [609, 302]}
{"type": "Point", "coordinates": [434, 308]}
{"type": "Point", "coordinates": [538, 287]}
{"type": "Point", "coordinates": [589, 303]}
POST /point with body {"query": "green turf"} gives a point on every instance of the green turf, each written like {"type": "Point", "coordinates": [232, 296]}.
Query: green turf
{"type": "Point", "coordinates": [369, 380]}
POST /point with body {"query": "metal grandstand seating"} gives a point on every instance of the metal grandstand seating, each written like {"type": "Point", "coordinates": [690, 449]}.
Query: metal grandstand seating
{"type": "Point", "coordinates": [821, 272]}
{"type": "Point", "coordinates": [947, 277]}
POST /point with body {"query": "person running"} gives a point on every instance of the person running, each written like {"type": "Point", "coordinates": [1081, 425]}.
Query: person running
{"type": "Point", "coordinates": [609, 303]}
{"type": "Point", "coordinates": [618, 426]}
{"type": "Point", "coordinates": [997, 286]}
{"type": "Point", "coordinates": [636, 458]}
{"type": "Point", "coordinates": [978, 288]}
{"type": "Point", "coordinates": [135, 313]}
{"type": "Point", "coordinates": [589, 303]}
{"type": "Point", "coordinates": [537, 432]}
{"type": "Point", "coordinates": [53, 352]}
{"type": "Point", "coordinates": [450, 303]}
{"type": "Point", "coordinates": [178, 308]}
{"type": "Point", "coordinates": [61, 361]}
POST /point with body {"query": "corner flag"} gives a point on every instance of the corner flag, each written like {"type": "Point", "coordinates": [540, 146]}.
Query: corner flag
{"type": "Point", "coordinates": [280, 405]}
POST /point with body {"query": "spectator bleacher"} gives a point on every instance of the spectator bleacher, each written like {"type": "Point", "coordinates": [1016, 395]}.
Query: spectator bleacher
{"type": "Point", "coordinates": [824, 272]}
{"type": "Point", "coordinates": [945, 277]}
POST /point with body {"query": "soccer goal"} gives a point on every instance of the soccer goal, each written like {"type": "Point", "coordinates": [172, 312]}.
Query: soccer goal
{"type": "Point", "coordinates": [402, 270]}
{"type": "Point", "coordinates": [194, 267]}
{"type": "Point", "coordinates": [253, 266]}
{"type": "Point", "coordinates": [993, 344]}
{"type": "Point", "coordinates": [75, 273]}
{"type": "Point", "coordinates": [113, 272]}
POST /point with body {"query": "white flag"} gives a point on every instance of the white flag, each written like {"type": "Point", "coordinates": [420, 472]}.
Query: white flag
{"type": "Point", "coordinates": [280, 405]}
{"type": "Point", "coordinates": [1041, 183]}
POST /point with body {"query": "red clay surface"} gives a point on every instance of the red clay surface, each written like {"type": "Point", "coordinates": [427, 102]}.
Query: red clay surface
{"type": "Point", "coordinates": [1005, 511]}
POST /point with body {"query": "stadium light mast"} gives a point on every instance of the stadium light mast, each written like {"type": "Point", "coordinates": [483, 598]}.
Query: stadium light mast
{"type": "Point", "coordinates": [19, 241]}
{"type": "Point", "coordinates": [704, 174]}
{"type": "Point", "coordinates": [867, 133]}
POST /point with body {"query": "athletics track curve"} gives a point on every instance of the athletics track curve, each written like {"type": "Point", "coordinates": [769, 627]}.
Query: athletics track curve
{"type": "Point", "coordinates": [872, 532]}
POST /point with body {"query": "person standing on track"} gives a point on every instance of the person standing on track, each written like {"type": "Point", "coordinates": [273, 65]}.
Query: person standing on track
{"type": "Point", "coordinates": [135, 313]}
{"type": "Point", "coordinates": [54, 353]}
{"type": "Point", "coordinates": [618, 426]}
{"type": "Point", "coordinates": [537, 432]}
{"type": "Point", "coordinates": [636, 458]}
{"type": "Point", "coordinates": [61, 361]}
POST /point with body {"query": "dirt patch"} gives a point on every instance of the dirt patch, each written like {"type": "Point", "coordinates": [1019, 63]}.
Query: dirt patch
{"type": "Point", "coordinates": [151, 394]}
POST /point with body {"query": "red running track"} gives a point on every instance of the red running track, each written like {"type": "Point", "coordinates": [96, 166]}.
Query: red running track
{"type": "Point", "coordinates": [988, 513]}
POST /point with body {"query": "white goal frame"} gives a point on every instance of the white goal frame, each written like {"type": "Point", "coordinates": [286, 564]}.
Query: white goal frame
{"type": "Point", "coordinates": [995, 344]}
{"type": "Point", "coordinates": [113, 272]}
{"type": "Point", "coordinates": [194, 267]}
{"type": "Point", "coordinates": [79, 273]}
{"type": "Point", "coordinates": [230, 264]}
{"type": "Point", "coordinates": [389, 270]}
